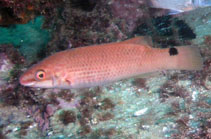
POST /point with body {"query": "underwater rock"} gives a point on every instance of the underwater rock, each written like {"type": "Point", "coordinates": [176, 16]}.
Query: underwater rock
{"type": "Point", "coordinates": [10, 60]}
{"type": "Point", "coordinates": [131, 11]}
{"type": "Point", "coordinates": [199, 21]}
{"type": "Point", "coordinates": [22, 11]}
{"type": "Point", "coordinates": [208, 82]}
{"type": "Point", "coordinates": [108, 21]}
{"type": "Point", "coordinates": [6, 67]}
{"type": "Point", "coordinates": [41, 115]}
{"type": "Point", "coordinates": [11, 15]}
{"type": "Point", "coordinates": [166, 31]}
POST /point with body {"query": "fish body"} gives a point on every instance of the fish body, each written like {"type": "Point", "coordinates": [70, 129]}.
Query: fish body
{"type": "Point", "coordinates": [102, 64]}
{"type": "Point", "coordinates": [178, 6]}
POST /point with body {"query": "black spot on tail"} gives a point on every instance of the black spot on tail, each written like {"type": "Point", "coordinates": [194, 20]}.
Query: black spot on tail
{"type": "Point", "coordinates": [173, 51]}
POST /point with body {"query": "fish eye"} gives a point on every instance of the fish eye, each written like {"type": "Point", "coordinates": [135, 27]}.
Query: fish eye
{"type": "Point", "coordinates": [40, 75]}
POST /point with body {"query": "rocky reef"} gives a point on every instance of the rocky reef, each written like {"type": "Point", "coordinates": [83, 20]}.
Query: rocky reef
{"type": "Point", "coordinates": [22, 11]}
{"type": "Point", "coordinates": [171, 104]}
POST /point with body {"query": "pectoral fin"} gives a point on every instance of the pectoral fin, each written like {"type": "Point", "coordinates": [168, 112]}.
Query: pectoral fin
{"type": "Point", "coordinates": [68, 82]}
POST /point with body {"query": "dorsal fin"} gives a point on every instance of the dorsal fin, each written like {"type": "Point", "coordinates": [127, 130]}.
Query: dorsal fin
{"type": "Point", "coordinates": [144, 40]}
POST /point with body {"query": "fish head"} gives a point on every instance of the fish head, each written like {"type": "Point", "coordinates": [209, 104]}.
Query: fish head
{"type": "Point", "coordinates": [37, 76]}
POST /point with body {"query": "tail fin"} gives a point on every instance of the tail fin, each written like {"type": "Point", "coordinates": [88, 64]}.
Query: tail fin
{"type": "Point", "coordinates": [189, 58]}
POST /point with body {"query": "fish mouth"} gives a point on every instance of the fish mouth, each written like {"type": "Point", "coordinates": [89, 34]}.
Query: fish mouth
{"type": "Point", "coordinates": [27, 83]}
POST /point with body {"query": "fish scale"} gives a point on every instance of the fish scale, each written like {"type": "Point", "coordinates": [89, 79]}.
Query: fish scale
{"type": "Point", "coordinates": [103, 69]}
{"type": "Point", "coordinates": [102, 64]}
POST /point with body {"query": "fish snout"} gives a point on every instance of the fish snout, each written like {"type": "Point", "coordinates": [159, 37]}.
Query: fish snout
{"type": "Point", "coordinates": [25, 81]}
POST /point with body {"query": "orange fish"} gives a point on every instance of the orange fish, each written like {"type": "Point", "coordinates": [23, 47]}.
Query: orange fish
{"type": "Point", "coordinates": [102, 64]}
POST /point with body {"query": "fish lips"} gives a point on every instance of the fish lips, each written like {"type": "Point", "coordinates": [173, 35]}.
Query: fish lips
{"type": "Point", "coordinates": [25, 82]}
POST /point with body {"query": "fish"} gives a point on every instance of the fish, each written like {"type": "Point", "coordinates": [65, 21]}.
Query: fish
{"type": "Point", "coordinates": [179, 6]}
{"type": "Point", "coordinates": [103, 64]}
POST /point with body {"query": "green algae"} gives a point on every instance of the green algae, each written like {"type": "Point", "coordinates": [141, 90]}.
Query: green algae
{"type": "Point", "coordinates": [29, 38]}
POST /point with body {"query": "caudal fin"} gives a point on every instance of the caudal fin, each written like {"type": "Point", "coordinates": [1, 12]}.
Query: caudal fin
{"type": "Point", "coordinates": [189, 58]}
